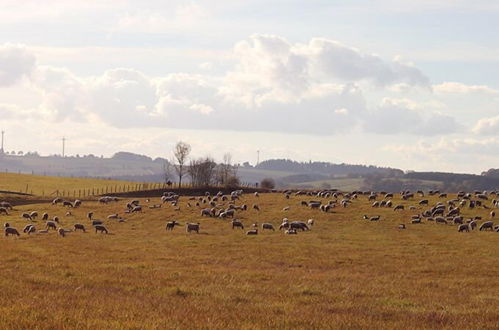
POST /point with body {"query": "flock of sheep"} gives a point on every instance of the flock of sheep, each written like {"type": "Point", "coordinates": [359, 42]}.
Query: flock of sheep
{"type": "Point", "coordinates": [221, 206]}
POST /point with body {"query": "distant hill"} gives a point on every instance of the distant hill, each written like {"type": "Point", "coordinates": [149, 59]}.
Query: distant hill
{"type": "Point", "coordinates": [324, 168]}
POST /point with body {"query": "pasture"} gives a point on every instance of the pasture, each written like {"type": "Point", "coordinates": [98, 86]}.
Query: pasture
{"type": "Point", "coordinates": [345, 272]}
{"type": "Point", "coordinates": [40, 185]}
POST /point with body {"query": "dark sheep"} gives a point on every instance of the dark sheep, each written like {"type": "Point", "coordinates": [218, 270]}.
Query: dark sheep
{"type": "Point", "coordinates": [463, 227]}
{"type": "Point", "coordinates": [268, 226]}
{"type": "Point", "coordinates": [101, 229]}
{"type": "Point", "coordinates": [487, 225]}
{"type": "Point", "coordinates": [79, 226]}
{"type": "Point", "coordinates": [11, 231]}
{"type": "Point", "coordinates": [192, 227]}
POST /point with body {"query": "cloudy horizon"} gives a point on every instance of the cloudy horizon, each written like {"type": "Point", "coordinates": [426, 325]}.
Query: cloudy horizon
{"type": "Point", "coordinates": [413, 86]}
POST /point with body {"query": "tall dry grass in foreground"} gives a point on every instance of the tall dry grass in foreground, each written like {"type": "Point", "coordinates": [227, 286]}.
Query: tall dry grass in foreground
{"type": "Point", "coordinates": [345, 273]}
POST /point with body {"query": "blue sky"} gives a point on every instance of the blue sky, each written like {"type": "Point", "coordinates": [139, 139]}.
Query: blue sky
{"type": "Point", "coordinates": [409, 84]}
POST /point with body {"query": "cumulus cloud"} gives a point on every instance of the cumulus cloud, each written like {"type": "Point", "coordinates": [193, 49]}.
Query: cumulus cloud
{"type": "Point", "coordinates": [16, 62]}
{"type": "Point", "coordinates": [403, 116]}
{"type": "Point", "coordinates": [460, 88]}
{"type": "Point", "coordinates": [487, 126]}
{"type": "Point", "coordinates": [274, 86]}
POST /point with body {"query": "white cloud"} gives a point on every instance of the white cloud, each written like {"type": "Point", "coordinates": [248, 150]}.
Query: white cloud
{"type": "Point", "coordinates": [403, 116]}
{"type": "Point", "coordinates": [487, 126]}
{"type": "Point", "coordinates": [16, 62]}
{"type": "Point", "coordinates": [460, 88]}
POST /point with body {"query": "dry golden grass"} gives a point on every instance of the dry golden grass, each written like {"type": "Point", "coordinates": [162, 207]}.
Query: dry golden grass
{"type": "Point", "coordinates": [345, 273]}
{"type": "Point", "coordinates": [48, 185]}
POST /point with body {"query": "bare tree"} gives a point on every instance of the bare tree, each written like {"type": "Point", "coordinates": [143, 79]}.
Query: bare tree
{"type": "Point", "coordinates": [226, 171]}
{"type": "Point", "coordinates": [181, 152]}
{"type": "Point", "coordinates": [202, 172]}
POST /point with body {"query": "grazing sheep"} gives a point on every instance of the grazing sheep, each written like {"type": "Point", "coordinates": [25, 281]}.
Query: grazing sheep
{"type": "Point", "coordinates": [90, 215]}
{"type": "Point", "coordinates": [473, 225]}
{"type": "Point", "coordinates": [256, 207]}
{"type": "Point", "coordinates": [237, 223]}
{"type": "Point", "coordinates": [3, 210]}
{"type": "Point", "coordinates": [492, 214]}
{"type": "Point", "coordinates": [268, 226]}
{"type": "Point", "coordinates": [298, 225]}
{"type": "Point", "coordinates": [487, 225]}
{"type": "Point", "coordinates": [402, 226]}
{"type": "Point", "coordinates": [55, 219]}
{"type": "Point", "coordinates": [33, 214]}
{"type": "Point", "coordinates": [51, 225]}
{"type": "Point", "coordinates": [61, 232]}
{"type": "Point", "coordinates": [101, 229]}
{"type": "Point", "coordinates": [206, 212]}
{"type": "Point", "coordinates": [57, 201]}
{"type": "Point", "coordinates": [284, 225]}
{"type": "Point", "coordinates": [310, 222]}
{"type": "Point", "coordinates": [440, 220]}
{"type": "Point", "coordinates": [45, 216]}
{"type": "Point", "coordinates": [414, 221]}
{"type": "Point", "coordinates": [463, 227]}
{"type": "Point", "coordinates": [375, 218]}
{"type": "Point", "coordinates": [27, 228]}
{"type": "Point", "coordinates": [77, 203]}
{"type": "Point", "coordinates": [6, 225]}
{"type": "Point", "coordinates": [256, 194]}
{"type": "Point", "coordinates": [79, 226]}
{"type": "Point", "coordinates": [192, 227]}
{"type": "Point", "coordinates": [69, 214]}
{"type": "Point", "coordinates": [252, 232]}
{"type": "Point", "coordinates": [285, 209]}
{"type": "Point", "coordinates": [11, 231]}
{"type": "Point", "coordinates": [96, 222]}
{"type": "Point", "coordinates": [67, 203]}
{"type": "Point", "coordinates": [26, 216]}
{"type": "Point", "coordinates": [314, 205]}
{"type": "Point", "coordinates": [136, 208]}
{"type": "Point", "coordinates": [113, 216]}
{"type": "Point", "coordinates": [170, 225]}
{"type": "Point", "coordinates": [398, 207]}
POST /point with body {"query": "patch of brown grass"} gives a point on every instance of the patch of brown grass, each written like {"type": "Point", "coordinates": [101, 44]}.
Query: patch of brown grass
{"type": "Point", "coordinates": [345, 273]}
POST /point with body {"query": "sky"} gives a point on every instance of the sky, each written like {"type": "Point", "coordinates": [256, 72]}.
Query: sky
{"type": "Point", "coordinates": [406, 84]}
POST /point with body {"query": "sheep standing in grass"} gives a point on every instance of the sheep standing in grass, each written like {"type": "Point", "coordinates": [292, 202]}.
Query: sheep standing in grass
{"type": "Point", "coordinates": [26, 216]}
{"type": "Point", "coordinates": [34, 215]}
{"type": "Point", "coordinates": [310, 222]}
{"type": "Point", "coordinates": [463, 227]}
{"type": "Point", "coordinates": [268, 226]}
{"type": "Point", "coordinates": [170, 225]}
{"type": "Point", "coordinates": [45, 216]}
{"type": "Point", "coordinates": [61, 232]}
{"type": "Point", "coordinates": [51, 225]}
{"type": "Point", "coordinates": [101, 229]}
{"type": "Point", "coordinates": [79, 226]}
{"type": "Point", "coordinates": [252, 232]}
{"type": "Point", "coordinates": [11, 231]}
{"type": "Point", "coordinates": [3, 210]}
{"type": "Point", "coordinates": [487, 225]}
{"type": "Point", "coordinates": [192, 227]}
{"type": "Point", "coordinates": [96, 222]}
{"type": "Point", "coordinates": [237, 224]}
{"type": "Point", "coordinates": [256, 207]}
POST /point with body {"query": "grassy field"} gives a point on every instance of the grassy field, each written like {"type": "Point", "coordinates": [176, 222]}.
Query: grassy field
{"type": "Point", "coordinates": [49, 185]}
{"type": "Point", "coordinates": [344, 273]}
